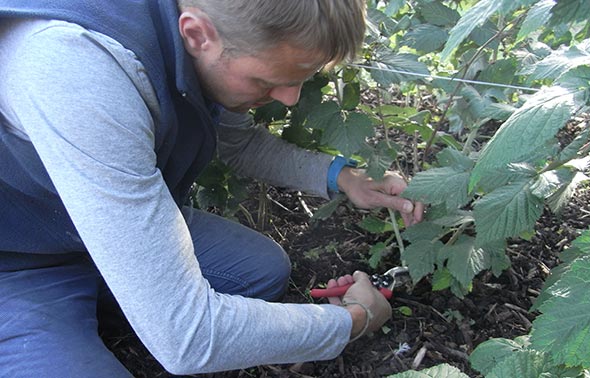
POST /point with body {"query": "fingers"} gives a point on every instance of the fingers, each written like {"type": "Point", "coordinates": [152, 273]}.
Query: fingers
{"type": "Point", "coordinates": [340, 281]}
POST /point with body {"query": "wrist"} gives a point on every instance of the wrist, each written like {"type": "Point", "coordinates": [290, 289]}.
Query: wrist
{"type": "Point", "coordinates": [338, 163]}
{"type": "Point", "coordinates": [361, 318]}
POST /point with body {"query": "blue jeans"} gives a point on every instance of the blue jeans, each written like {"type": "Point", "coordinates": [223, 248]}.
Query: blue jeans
{"type": "Point", "coordinates": [50, 304]}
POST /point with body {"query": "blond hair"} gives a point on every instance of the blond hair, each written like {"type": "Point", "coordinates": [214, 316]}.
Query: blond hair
{"type": "Point", "coordinates": [246, 27]}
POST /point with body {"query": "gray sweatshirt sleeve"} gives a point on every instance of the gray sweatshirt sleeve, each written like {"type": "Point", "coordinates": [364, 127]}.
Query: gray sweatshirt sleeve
{"type": "Point", "coordinates": [253, 152]}
{"type": "Point", "coordinates": [81, 99]}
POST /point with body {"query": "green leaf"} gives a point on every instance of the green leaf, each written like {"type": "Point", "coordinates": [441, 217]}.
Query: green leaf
{"type": "Point", "coordinates": [454, 219]}
{"type": "Point", "coordinates": [444, 370]}
{"type": "Point", "coordinates": [404, 310]}
{"type": "Point", "coordinates": [506, 212]}
{"type": "Point", "coordinates": [498, 111]}
{"type": "Point", "coordinates": [393, 7]}
{"type": "Point", "coordinates": [375, 225]}
{"type": "Point", "coordinates": [325, 115]}
{"type": "Point", "coordinates": [351, 96]}
{"type": "Point", "coordinates": [466, 260]}
{"type": "Point", "coordinates": [472, 19]}
{"type": "Point", "coordinates": [441, 279]}
{"type": "Point", "coordinates": [377, 252]}
{"type": "Point", "coordinates": [348, 136]}
{"type": "Point", "coordinates": [270, 112]}
{"type": "Point", "coordinates": [499, 260]}
{"type": "Point", "coordinates": [436, 13]}
{"type": "Point", "coordinates": [440, 185]}
{"type": "Point", "coordinates": [523, 364]}
{"type": "Point", "coordinates": [490, 353]}
{"type": "Point", "coordinates": [571, 150]}
{"type": "Point", "coordinates": [526, 132]}
{"type": "Point", "coordinates": [561, 61]}
{"type": "Point", "coordinates": [379, 159]}
{"type": "Point", "coordinates": [328, 209]}
{"type": "Point", "coordinates": [396, 68]}
{"type": "Point", "coordinates": [422, 231]}
{"type": "Point", "coordinates": [215, 195]}
{"type": "Point", "coordinates": [570, 11]}
{"type": "Point", "coordinates": [420, 257]}
{"type": "Point", "coordinates": [450, 157]}
{"type": "Point", "coordinates": [537, 16]}
{"type": "Point", "coordinates": [560, 199]}
{"type": "Point", "coordinates": [563, 330]}
{"type": "Point", "coordinates": [425, 38]}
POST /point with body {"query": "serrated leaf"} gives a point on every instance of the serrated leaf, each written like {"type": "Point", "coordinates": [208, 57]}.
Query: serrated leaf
{"type": "Point", "coordinates": [375, 225]}
{"type": "Point", "coordinates": [436, 13]}
{"type": "Point", "coordinates": [440, 185]}
{"type": "Point", "coordinates": [450, 157]}
{"type": "Point", "coordinates": [351, 96]}
{"type": "Point", "coordinates": [537, 16]}
{"type": "Point", "coordinates": [454, 219]}
{"type": "Point", "coordinates": [561, 61]}
{"type": "Point", "coordinates": [215, 195]}
{"type": "Point", "coordinates": [523, 364]}
{"type": "Point", "coordinates": [348, 136]}
{"type": "Point", "coordinates": [324, 116]}
{"type": "Point", "coordinates": [393, 7]}
{"type": "Point", "coordinates": [379, 159]}
{"type": "Point", "coordinates": [425, 38]}
{"type": "Point", "coordinates": [490, 353]}
{"type": "Point", "coordinates": [498, 111]}
{"type": "Point", "coordinates": [571, 150]}
{"type": "Point", "coordinates": [439, 371]}
{"type": "Point", "coordinates": [473, 18]}
{"type": "Point", "coordinates": [506, 212]}
{"type": "Point", "coordinates": [378, 21]}
{"type": "Point", "coordinates": [422, 231]}
{"type": "Point", "coordinates": [562, 196]}
{"type": "Point", "coordinates": [570, 11]}
{"type": "Point", "coordinates": [466, 260]}
{"type": "Point", "coordinates": [396, 68]}
{"type": "Point", "coordinates": [419, 257]}
{"type": "Point", "coordinates": [545, 184]}
{"type": "Point", "coordinates": [563, 330]}
{"type": "Point", "coordinates": [441, 279]}
{"type": "Point", "coordinates": [499, 260]}
{"type": "Point", "coordinates": [527, 131]}
{"type": "Point", "coordinates": [482, 35]}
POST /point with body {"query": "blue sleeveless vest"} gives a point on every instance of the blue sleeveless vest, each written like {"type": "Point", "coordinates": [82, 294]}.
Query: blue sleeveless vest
{"type": "Point", "coordinates": [32, 216]}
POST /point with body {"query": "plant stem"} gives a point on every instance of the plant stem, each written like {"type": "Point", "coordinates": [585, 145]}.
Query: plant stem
{"type": "Point", "coordinates": [398, 236]}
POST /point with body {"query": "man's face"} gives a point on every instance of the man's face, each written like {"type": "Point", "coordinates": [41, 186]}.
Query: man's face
{"type": "Point", "coordinates": [244, 82]}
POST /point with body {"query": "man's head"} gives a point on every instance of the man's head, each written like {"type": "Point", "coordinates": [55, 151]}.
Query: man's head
{"type": "Point", "coordinates": [250, 52]}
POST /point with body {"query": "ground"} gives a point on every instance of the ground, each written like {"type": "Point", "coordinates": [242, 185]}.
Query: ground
{"type": "Point", "coordinates": [440, 329]}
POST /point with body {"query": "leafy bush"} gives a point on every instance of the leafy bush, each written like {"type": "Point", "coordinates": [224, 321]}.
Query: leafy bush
{"type": "Point", "coordinates": [505, 77]}
{"type": "Point", "coordinates": [558, 344]}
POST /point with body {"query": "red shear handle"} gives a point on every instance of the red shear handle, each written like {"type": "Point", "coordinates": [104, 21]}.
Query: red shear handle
{"type": "Point", "coordinates": [341, 290]}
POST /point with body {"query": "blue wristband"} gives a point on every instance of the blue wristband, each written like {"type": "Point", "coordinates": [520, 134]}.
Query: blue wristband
{"type": "Point", "coordinates": [334, 170]}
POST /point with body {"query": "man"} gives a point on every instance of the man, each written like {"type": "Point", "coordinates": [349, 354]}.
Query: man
{"type": "Point", "coordinates": [108, 112]}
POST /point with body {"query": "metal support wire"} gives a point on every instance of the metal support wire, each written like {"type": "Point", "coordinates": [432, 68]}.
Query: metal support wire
{"type": "Point", "coordinates": [475, 82]}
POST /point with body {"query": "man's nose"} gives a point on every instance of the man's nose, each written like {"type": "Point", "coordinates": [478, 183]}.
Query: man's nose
{"type": "Point", "coordinates": [289, 96]}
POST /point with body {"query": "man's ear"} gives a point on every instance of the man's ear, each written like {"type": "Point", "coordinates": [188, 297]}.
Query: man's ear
{"type": "Point", "coordinates": [198, 32]}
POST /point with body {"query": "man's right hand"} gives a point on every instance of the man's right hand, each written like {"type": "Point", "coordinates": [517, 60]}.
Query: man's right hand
{"type": "Point", "coordinates": [362, 296]}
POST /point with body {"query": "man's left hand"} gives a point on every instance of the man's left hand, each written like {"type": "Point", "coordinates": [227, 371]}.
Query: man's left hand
{"type": "Point", "coordinates": [367, 193]}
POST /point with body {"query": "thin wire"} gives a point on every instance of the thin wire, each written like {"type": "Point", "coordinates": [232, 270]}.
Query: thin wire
{"type": "Point", "coordinates": [443, 77]}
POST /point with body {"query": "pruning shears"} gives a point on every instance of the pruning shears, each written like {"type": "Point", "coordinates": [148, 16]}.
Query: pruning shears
{"type": "Point", "coordinates": [386, 282]}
